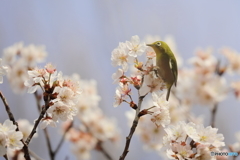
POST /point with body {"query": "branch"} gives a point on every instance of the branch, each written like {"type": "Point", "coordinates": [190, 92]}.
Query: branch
{"type": "Point", "coordinates": [34, 155]}
{"type": "Point", "coordinates": [5, 156]}
{"type": "Point", "coordinates": [214, 110]}
{"type": "Point", "coordinates": [132, 130]}
{"type": "Point", "coordinates": [38, 100]}
{"type": "Point", "coordinates": [100, 148]}
{"type": "Point", "coordinates": [50, 151]}
{"type": "Point", "coordinates": [11, 117]}
{"type": "Point", "coordinates": [44, 109]}
{"type": "Point", "coordinates": [63, 138]}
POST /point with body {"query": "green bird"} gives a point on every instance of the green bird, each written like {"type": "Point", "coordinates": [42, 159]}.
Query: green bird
{"type": "Point", "coordinates": [166, 64]}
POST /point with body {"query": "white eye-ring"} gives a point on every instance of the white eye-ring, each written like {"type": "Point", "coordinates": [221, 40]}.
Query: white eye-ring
{"type": "Point", "coordinates": [159, 43]}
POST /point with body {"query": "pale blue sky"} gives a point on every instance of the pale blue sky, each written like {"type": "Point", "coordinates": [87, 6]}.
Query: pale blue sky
{"type": "Point", "coordinates": [80, 35]}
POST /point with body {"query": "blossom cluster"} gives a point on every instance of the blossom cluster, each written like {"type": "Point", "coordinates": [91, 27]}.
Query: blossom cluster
{"type": "Point", "coordinates": [233, 67]}
{"type": "Point", "coordinates": [192, 141]}
{"type": "Point", "coordinates": [25, 127]}
{"type": "Point", "coordinates": [151, 127]}
{"type": "Point", "coordinates": [203, 84]}
{"type": "Point", "coordinates": [60, 93]}
{"type": "Point", "coordinates": [159, 113]}
{"type": "Point", "coordinates": [19, 59]}
{"type": "Point", "coordinates": [9, 137]}
{"type": "Point", "coordinates": [143, 77]}
{"type": "Point", "coordinates": [95, 127]}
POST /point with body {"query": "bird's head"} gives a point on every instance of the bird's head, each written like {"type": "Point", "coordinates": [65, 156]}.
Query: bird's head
{"type": "Point", "coordinates": [159, 45]}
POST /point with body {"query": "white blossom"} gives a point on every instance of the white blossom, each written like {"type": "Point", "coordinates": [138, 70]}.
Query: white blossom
{"type": "Point", "coordinates": [135, 47]}
{"type": "Point", "coordinates": [60, 111]}
{"type": "Point", "coordinates": [161, 117]}
{"type": "Point", "coordinates": [3, 71]}
{"type": "Point", "coordinates": [7, 127]}
{"type": "Point", "coordinates": [32, 54]}
{"type": "Point", "coordinates": [48, 121]}
{"type": "Point", "coordinates": [116, 76]}
{"type": "Point", "coordinates": [120, 58]}
{"type": "Point", "coordinates": [14, 140]}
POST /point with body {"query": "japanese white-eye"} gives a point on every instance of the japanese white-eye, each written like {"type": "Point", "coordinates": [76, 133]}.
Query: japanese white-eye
{"type": "Point", "coordinates": [166, 64]}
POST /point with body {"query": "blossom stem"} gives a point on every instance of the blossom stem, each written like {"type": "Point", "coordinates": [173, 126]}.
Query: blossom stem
{"type": "Point", "coordinates": [44, 109]}
{"type": "Point", "coordinates": [5, 156]}
{"type": "Point", "coordinates": [38, 99]}
{"type": "Point", "coordinates": [50, 151]}
{"type": "Point", "coordinates": [213, 117]}
{"type": "Point", "coordinates": [11, 117]}
{"type": "Point", "coordinates": [104, 152]}
{"type": "Point", "coordinates": [63, 138]}
{"type": "Point", "coordinates": [133, 128]}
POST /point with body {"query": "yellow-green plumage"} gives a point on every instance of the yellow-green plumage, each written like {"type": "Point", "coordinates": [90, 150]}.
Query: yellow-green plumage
{"type": "Point", "coordinates": [166, 64]}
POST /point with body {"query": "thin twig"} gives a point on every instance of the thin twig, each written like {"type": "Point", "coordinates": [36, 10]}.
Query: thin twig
{"type": "Point", "coordinates": [132, 130]}
{"type": "Point", "coordinates": [11, 117]}
{"type": "Point", "coordinates": [38, 100]}
{"type": "Point", "coordinates": [44, 109]}
{"type": "Point", "coordinates": [213, 115]}
{"type": "Point", "coordinates": [5, 156]}
{"type": "Point", "coordinates": [34, 155]}
{"type": "Point", "coordinates": [100, 148]}
{"type": "Point", "coordinates": [63, 138]}
{"type": "Point", "coordinates": [50, 151]}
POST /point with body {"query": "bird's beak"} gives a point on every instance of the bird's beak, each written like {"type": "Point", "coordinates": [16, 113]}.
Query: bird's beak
{"type": "Point", "coordinates": [149, 44]}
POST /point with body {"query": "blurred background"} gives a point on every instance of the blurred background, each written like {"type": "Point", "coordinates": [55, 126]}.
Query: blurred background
{"type": "Point", "coordinates": [80, 35]}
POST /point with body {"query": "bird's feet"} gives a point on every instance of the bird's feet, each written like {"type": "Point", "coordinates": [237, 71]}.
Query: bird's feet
{"type": "Point", "coordinates": [155, 69]}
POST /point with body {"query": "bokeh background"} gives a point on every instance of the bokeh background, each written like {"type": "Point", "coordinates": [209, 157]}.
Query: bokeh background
{"type": "Point", "coordinates": [80, 35]}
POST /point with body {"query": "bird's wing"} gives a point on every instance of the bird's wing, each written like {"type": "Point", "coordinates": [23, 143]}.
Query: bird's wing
{"type": "Point", "coordinates": [173, 66]}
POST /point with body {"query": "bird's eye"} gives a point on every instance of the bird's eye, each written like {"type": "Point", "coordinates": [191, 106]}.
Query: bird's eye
{"type": "Point", "coordinates": [159, 43]}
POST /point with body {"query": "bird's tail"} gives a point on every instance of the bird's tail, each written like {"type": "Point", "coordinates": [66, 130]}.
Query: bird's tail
{"type": "Point", "coordinates": [168, 92]}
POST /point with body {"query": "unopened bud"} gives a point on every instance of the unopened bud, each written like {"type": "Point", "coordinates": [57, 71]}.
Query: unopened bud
{"type": "Point", "coordinates": [133, 105]}
{"type": "Point", "coordinates": [54, 95]}
{"type": "Point", "coordinates": [143, 112]}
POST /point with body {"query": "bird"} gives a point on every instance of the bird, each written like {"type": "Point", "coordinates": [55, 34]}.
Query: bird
{"type": "Point", "coordinates": [166, 64]}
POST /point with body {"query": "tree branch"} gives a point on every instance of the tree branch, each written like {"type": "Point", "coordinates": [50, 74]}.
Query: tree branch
{"type": "Point", "coordinates": [63, 138]}
{"type": "Point", "coordinates": [100, 148]}
{"type": "Point", "coordinates": [11, 117]}
{"type": "Point", "coordinates": [213, 115]}
{"type": "Point", "coordinates": [132, 130]}
{"type": "Point", "coordinates": [44, 109]}
{"type": "Point", "coordinates": [50, 150]}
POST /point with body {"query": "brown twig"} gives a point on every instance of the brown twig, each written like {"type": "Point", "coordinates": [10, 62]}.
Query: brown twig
{"type": "Point", "coordinates": [44, 109]}
{"type": "Point", "coordinates": [5, 156]}
{"type": "Point", "coordinates": [100, 148]}
{"type": "Point", "coordinates": [38, 100]}
{"type": "Point", "coordinates": [132, 130]}
{"type": "Point", "coordinates": [63, 138]}
{"type": "Point", "coordinates": [213, 115]}
{"type": "Point", "coordinates": [50, 151]}
{"type": "Point", "coordinates": [11, 117]}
